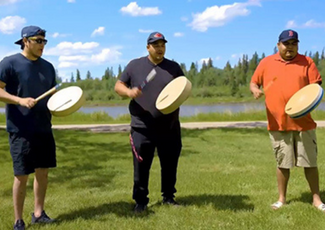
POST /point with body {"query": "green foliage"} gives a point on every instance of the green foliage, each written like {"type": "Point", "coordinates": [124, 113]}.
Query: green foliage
{"type": "Point", "coordinates": [207, 81]}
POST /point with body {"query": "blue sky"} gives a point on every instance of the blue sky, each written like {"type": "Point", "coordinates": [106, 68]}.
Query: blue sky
{"type": "Point", "coordinates": [96, 34]}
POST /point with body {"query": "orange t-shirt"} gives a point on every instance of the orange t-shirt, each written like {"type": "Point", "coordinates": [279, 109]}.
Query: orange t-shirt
{"type": "Point", "coordinates": [290, 76]}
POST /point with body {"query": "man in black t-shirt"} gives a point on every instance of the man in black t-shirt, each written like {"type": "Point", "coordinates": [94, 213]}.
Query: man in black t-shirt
{"type": "Point", "coordinates": [23, 77]}
{"type": "Point", "coordinates": [150, 129]}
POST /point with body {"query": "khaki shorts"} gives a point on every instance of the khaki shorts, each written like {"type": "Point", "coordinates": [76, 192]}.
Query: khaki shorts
{"type": "Point", "coordinates": [294, 148]}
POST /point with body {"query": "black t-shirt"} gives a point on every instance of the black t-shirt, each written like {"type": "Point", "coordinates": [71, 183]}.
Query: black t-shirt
{"type": "Point", "coordinates": [144, 113]}
{"type": "Point", "coordinates": [26, 78]}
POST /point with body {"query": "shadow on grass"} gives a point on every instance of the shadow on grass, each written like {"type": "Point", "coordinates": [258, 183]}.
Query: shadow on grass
{"type": "Point", "coordinates": [120, 209]}
{"type": "Point", "coordinates": [306, 197]}
{"type": "Point", "coordinates": [220, 202]}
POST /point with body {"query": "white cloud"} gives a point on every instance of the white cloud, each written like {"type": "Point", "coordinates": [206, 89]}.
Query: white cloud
{"type": "Point", "coordinates": [69, 48]}
{"type": "Point", "coordinates": [178, 34]}
{"type": "Point", "coordinates": [309, 24]}
{"type": "Point", "coordinates": [106, 55]}
{"type": "Point", "coordinates": [216, 16]}
{"type": "Point", "coordinates": [134, 10]}
{"type": "Point", "coordinates": [73, 58]}
{"type": "Point", "coordinates": [83, 54]}
{"type": "Point", "coordinates": [204, 60]}
{"type": "Point", "coordinates": [11, 24]}
{"type": "Point", "coordinates": [56, 35]}
{"type": "Point", "coordinates": [145, 31]}
{"type": "Point", "coordinates": [218, 58]}
{"type": "Point", "coordinates": [7, 2]}
{"type": "Point", "coordinates": [67, 64]}
{"type": "Point", "coordinates": [291, 24]}
{"type": "Point", "coordinates": [184, 19]}
{"type": "Point", "coordinates": [99, 31]}
{"type": "Point", "coordinates": [71, 1]}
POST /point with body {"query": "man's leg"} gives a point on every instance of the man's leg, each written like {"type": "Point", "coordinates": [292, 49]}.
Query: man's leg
{"type": "Point", "coordinates": [141, 147]}
{"type": "Point", "coordinates": [282, 178]}
{"type": "Point", "coordinates": [40, 186]}
{"type": "Point", "coordinates": [169, 150]}
{"type": "Point", "coordinates": [307, 158]}
{"type": "Point", "coordinates": [19, 194]}
{"type": "Point", "coordinates": [284, 151]}
{"type": "Point", "coordinates": [312, 177]}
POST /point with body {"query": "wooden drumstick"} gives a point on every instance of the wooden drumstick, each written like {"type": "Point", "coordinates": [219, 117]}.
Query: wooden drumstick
{"type": "Point", "coordinates": [149, 77]}
{"type": "Point", "coordinates": [270, 84]}
{"type": "Point", "coordinates": [48, 92]}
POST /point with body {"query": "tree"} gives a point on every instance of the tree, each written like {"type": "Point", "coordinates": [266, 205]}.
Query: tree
{"type": "Point", "coordinates": [204, 66]}
{"type": "Point", "coordinates": [119, 72]}
{"type": "Point", "coordinates": [183, 67]}
{"type": "Point", "coordinates": [210, 64]}
{"type": "Point", "coordinates": [57, 77]}
{"type": "Point", "coordinates": [78, 78]}
{"type": "Point", "coordinates": [275, 50]}
{"type": "Point", "coordinates": [88, 76]}
{"type": "Point", "coordinates": [227, 73]}
{"type": "Point", "coordinates": [106, 75]}
{"type": "Point", "coordinates": [253, 62]}
{"type": "Point", "coordinates": [72, 78]}
{"type": "Point", "coordinates": [316, 58]}
{"type": "Point", "coordinates": [193, 68]}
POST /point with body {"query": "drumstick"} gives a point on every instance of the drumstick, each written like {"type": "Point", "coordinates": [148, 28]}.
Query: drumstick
{"type": "Point", "coordinates": [62, 104]}
{"type": "Point", "coordinates": [48, 92]}
{"type": "Point", "coordinates": [270, 84]}
{"type": "Point", "coordinates": [150, 76]}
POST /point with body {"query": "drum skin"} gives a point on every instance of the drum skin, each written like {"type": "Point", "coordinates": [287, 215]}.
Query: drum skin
{"type": "Point", "coordinates": [304, 101]}
{"type": "Point", "coordinates": [173, 95]}
{"type": "Point", "coordinates": [66, 101]}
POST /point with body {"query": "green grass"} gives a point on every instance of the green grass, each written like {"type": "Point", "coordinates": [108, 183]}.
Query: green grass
{"type": "Point", "coordinates": [226, 180]}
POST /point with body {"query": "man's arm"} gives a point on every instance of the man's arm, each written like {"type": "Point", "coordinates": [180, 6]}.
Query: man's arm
{"type": "Point", "coordinates": [124, 91]}
{"type": "Point", "coordinates": [11, 99]}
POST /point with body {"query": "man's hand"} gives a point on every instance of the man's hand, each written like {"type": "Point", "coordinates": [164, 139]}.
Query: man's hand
{"type": "Point", "coordinates": [27, 102]}
{"type": "Point", "coordinates": [257, 93]}
{"type": "Point", "coordinates": [134, 92]}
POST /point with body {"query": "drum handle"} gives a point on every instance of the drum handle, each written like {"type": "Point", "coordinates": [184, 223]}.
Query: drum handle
{"type": "Point", "coordinates": [48, 92]}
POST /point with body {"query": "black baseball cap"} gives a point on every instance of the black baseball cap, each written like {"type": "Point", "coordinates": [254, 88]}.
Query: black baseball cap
{"type": "Point", "coordinates": [288, 35]}
{"type": "Point", "coordinates": [156, 36]}
{"type": "Point", "coordinates": [30, 31]}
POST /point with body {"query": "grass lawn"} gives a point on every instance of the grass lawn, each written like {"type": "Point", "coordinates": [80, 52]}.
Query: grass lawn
{"type": "Point", "coordinates": [226, 180]}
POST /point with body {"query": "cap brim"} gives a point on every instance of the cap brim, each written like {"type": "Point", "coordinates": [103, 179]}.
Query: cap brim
{"type": "Point", "coordinates": [19, 42]}
{"type": "Point", "coordinates": [159, 39]}
{"type": "Point", "coordinates": [287, 39]}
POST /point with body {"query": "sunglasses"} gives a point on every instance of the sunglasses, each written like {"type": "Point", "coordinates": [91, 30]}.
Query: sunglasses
{"type": "Point", "coordinates": [39, 40]}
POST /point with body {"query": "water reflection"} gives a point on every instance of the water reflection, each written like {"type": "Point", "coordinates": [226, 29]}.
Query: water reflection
{"type": "Point", "coordinates": [186, 110]}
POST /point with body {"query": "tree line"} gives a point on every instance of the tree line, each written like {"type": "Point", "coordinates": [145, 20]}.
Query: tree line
{"type": "Point", "coordinates": [207, 80]}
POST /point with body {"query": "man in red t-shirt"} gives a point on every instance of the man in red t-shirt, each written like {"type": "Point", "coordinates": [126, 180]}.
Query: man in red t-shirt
{"type": "Point", "coordinates": [293, 140]}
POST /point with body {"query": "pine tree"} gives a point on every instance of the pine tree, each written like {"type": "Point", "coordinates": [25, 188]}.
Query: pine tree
{"type": "Point", "coordinates": [78, 78]}
{"type": "Point", "coordinates": [316, 58]}
{"type": "Point", "coordinates": [88, 76]}
{"type": "Point", "coordinates": [210, 64]}
{"type": "Point", "coordinates": [72, 78]}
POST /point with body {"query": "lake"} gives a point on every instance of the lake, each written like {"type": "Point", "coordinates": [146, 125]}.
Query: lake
{"type": "Point", "coordinates": [186, 110]}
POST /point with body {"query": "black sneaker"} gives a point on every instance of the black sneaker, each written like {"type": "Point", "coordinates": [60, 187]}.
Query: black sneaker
{"type": "Point", "coordinates": [45, 219]}
{"type": "Point", "coordinates": [139, 208]}
{"type": "Point", "coordinates": [19, 225]}
{"type": "Point", "coordinates": [170, 201]}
